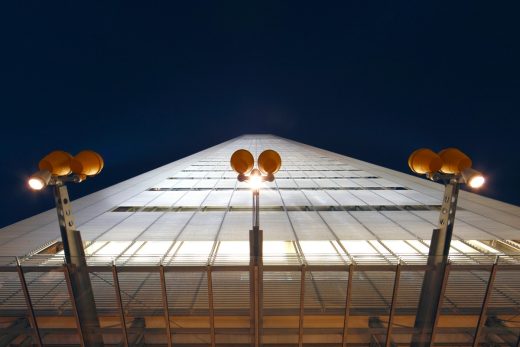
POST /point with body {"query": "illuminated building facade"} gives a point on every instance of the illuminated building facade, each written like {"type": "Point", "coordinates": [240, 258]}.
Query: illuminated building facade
{"type": "Point", "coordinates": [345, 250]}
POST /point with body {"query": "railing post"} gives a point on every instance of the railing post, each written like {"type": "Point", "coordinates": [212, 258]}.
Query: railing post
{"type": "Point", "coordinates": [28, 302]}
{"type": "Point", "coordinates": [117, 289]}
{"type": "Point", "coordinates": [394, 303]}
{"type": "Point", "coordinates": [487, 297]}
{"type": "Point", "coordinates": [347, 305]}
{"type": "Point", "coordinates": [211, 307]}
{"type": "Point", "coordinates": [302, 306]}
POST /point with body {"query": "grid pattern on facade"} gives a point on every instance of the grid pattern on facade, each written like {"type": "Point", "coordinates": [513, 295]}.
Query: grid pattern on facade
{"type": "Point", "coordinates": [212, 303]}
{"type": "Point", "coordinates": [345, 251]}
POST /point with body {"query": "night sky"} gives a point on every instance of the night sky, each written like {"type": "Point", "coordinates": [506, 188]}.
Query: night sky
{"type": "Point", "coordinates": [147, 84]}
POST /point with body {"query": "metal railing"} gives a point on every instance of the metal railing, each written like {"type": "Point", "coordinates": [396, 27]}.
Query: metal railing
{"type": "Point", "coordinates": [363, 296]}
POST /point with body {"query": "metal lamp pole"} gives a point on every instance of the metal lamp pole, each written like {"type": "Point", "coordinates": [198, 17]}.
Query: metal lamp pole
{"type": "Point", "coordinates": [269, 162]}
{"type": "Point", "coordinates": [76, 264]}
{"type": "Point", "coordinates": [437, 261]}
{"type": "Point", "coordinates": [56, 169]}
{"type": "Point", "coordinates": [255, 234]}
{"type": "Point", "coordinates": [453, 167]}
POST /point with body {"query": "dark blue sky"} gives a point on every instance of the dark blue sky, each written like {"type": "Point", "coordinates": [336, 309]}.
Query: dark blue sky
{"type": "Point", "coordinates": [146, 84]}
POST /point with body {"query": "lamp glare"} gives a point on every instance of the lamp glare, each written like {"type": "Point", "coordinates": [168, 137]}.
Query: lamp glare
{"type": "Point", "coordinates": [36, 183]}
{"type": "Point", "coordinates": [476, 181]}
{"type": "Point", "coordinates": [39, 180]}
{"type": "Point", "coordinates": [255, 180]}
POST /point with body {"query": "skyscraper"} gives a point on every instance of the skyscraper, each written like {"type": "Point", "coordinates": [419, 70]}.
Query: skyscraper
{"type": "Point", "coordinates": [344, 255]}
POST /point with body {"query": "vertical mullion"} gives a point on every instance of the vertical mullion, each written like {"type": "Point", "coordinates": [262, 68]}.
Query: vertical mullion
{"type": "Point", "coordinates": [487, 297]}
{"type": "Point", "coordinates": [120, 304]}
{"type": "Point", "coordinates": [302, 306]}
{"type": "Point", "coordinates": [165, 305]}
{"type": "Point", "coordinates": [347, 305]}
{"type": "Point", "coordinates": [66, 272]}
{"type": "Point", "coordinates": [392, 307]}
{"type": "Point", "coordinates": [257, 308]}
{"type": "Point", "coordinates": [30, 307]}
{"type": "Point", "coordinates": [211, 307]}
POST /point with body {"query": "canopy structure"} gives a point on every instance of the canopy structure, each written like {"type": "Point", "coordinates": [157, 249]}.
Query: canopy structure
{"type": "Point", "coordinates": [345, 245]}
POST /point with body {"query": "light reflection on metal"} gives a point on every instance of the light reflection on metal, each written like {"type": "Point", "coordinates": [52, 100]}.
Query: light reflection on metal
{"type": "Point", "coordinates": [485, 303]}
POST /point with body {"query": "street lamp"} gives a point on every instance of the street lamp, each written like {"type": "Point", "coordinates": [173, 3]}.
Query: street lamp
{"type": "Point", "coordinates": [269, 162]}
{"type": "Point", "coordinates": [453, 168]}
{"type": "Point", "coordinates": [56, 169]}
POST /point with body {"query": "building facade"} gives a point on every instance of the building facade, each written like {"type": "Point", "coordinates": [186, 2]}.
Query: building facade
{"type": "Point", "coordinates": [345, 250]}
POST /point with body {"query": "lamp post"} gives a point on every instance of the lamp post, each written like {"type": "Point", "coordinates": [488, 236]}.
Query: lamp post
{"type": "Point", "coordinates": [57, 169]}
{"type": "Point", "coordinates": [269, 162]}
{"type": "Point", "coordinates": [453, 168]}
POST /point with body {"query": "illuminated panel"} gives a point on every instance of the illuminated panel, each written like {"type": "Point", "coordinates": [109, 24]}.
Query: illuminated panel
{"type": "Point", "coordinates": [193, 252]}
{"type": "Point", "coordinates": [232, 252]}
{"type": "Point", "coordinates": [320, 252]}
{"type": "Point", "coordinates": [279, 252]}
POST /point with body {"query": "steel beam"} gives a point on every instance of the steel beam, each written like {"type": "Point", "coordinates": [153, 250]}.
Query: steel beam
{"type": "Point", "coordinates": [392, 307]}
{"type": "Point", "coordinates": [211, 307]}
{"type": "Point", "coordinates": [483, 311]}
{"type": "Point", "coordinates": [117, 289]}
{"type": "Point", "coordinates": [28, 302]}
{"type": "Point", "coordinates": [347, 305]}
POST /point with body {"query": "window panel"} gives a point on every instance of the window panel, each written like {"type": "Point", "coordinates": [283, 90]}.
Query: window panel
{"type": "Point", "coordinates": [192, 198]}
{"type": "Point", "coordinates": [345, 226]}
{"type": "Point", "coordinates": [309, 226]}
